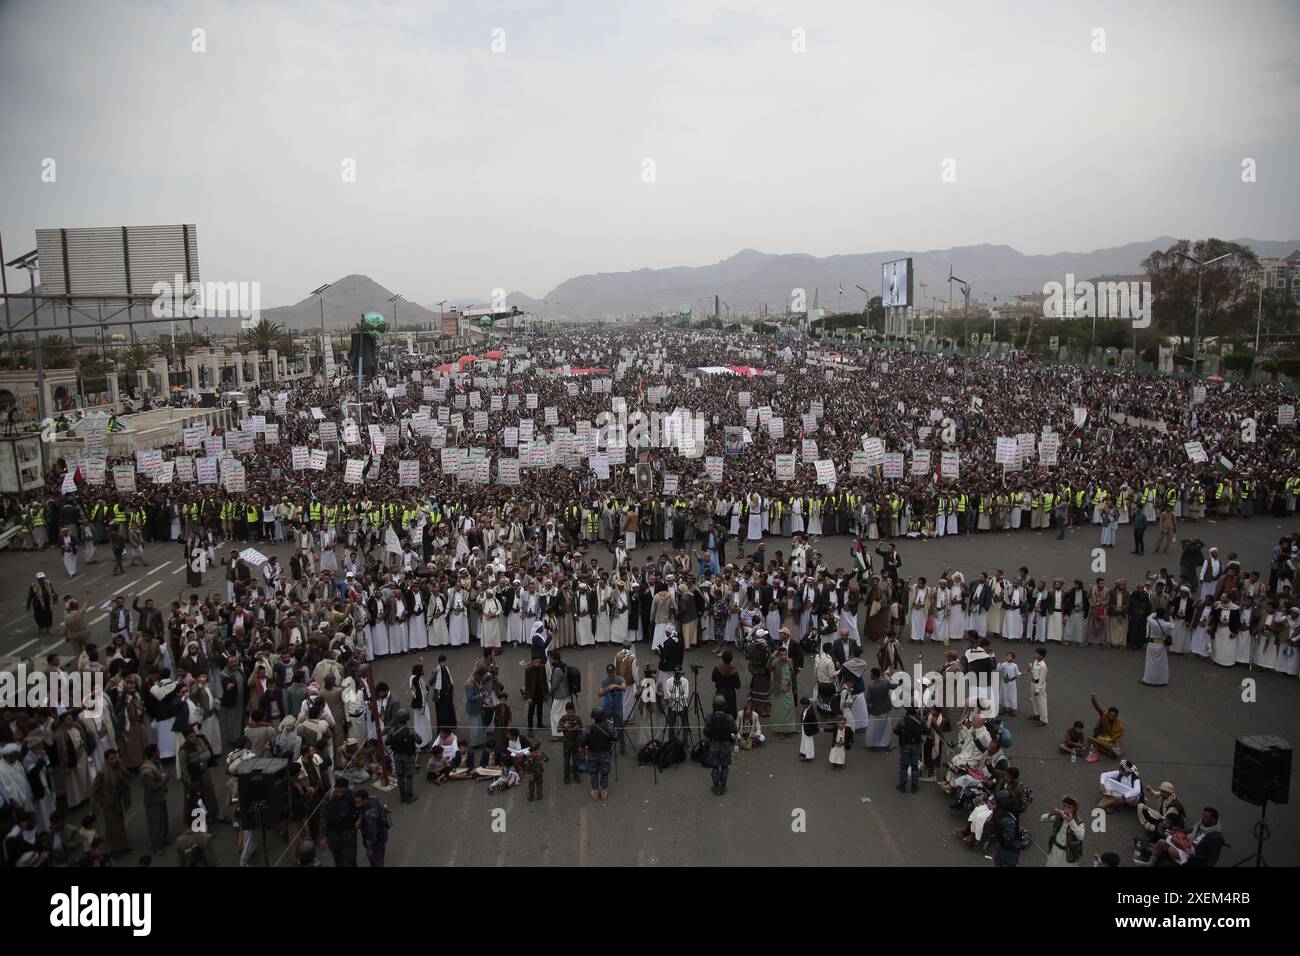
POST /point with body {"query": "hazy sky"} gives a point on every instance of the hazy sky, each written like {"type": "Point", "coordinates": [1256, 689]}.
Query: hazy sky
{"type": "Point", "coordinates": [518, 169]}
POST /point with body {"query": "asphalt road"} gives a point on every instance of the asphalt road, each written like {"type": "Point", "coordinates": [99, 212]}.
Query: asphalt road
{"type": "Point", "coordinates": [778, 811]}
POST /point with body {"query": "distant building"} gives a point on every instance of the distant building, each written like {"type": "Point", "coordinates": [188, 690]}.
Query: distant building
{"type": "Point", "coordinates": [1280, 274]}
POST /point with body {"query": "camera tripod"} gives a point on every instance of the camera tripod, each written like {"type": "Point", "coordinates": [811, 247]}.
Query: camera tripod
{"type": "Point", "coordinates": [675, 720]}
{"type": "Point", "coordinates": [1261, 833]}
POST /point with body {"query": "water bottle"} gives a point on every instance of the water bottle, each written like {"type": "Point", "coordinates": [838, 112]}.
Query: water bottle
{"type": "Point", "coordinates": [1074, 757]}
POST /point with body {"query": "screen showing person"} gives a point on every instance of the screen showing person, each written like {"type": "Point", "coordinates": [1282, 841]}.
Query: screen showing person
{"type": "Point", "coordinates": [896, 286]}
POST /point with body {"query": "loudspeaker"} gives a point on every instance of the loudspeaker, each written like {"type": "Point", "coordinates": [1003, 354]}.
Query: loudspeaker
{"type": "Point", "coordinates": [263, 784]}
{"type": "Point", "coordinates": [364, 345]}
{"type": "Point", "coordinates": [1261, 770]}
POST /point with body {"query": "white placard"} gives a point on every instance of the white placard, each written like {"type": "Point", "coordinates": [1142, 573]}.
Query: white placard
{"type": "Point", "coordinates": [950, 465]}
{"type": "Point", "coordinates": [206, 469]}
{"type": "Point", "coordinates": [1008, 451]}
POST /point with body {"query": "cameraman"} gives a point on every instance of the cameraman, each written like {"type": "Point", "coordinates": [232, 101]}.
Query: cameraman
{"type": "Point", "coordinates": [671, 654]}
{"type": "Point", "coordinates": [720, 731]}
{"type": "Point", "coordinates": [677, 694]}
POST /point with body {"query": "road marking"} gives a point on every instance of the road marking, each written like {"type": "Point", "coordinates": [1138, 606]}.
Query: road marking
{"type": "Point", "coordinates": [21, 646]}
{"type": "Point", "coordinates": [149, 588]}
{"type": "Point", "coordinates": [884, 833]}
{"type": "Point", "coordinates": [97, 620]}
{"type": "Point", "coordinates": [464, 814]}
{"type": "Point", "coordinates": [98, 577]}
{"type": "Point", "coordinates": [157, 569]}
{"type": "Point", "coordinates": [46, 650]}
{"type": "Point", "coordinates": [582, 836]}
{"type": "Point", "coordinates": [180, 569]}
{"type": "Point", "coordinates": [510, 805]}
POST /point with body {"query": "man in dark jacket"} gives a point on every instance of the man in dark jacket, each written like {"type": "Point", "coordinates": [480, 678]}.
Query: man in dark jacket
{"type": "Point", "coordinates": [671, 652]}
{"type": "Point", "coordinates": [373, 824]}
{"type": "Point", "coordinates": [342, 820]}
{"type": "Point", "coordinates": [1139, 609]}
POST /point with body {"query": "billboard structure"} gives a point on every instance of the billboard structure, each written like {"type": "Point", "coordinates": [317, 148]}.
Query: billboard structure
{"type": "Point", "coordinates": [896, 283]}
{"type": "Point", "coordinates": [116, 260]}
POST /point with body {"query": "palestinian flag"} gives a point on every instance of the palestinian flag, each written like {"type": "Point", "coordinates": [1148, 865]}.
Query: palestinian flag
{"type": "Point", "coordinates": [860, 560]}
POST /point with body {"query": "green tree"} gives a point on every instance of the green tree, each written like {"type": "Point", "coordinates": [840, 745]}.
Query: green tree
{"type": "Point", "coordinates": [875, 312]}
{"type": "Point", "coordinates": [1228, 293]}
{"type": "Point", "coordinates": [57, 351]}
{"type": "Point", "coordinates": [265, 335]}
{"type": "Point", "coordinates": [1278, 312]}
{"type": "Point", "coordinates": [177, 351]}
{"type": "Point", "coordinates": [136, 357]}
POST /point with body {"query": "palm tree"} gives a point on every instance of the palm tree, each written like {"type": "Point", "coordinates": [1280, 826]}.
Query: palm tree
{"type": "Point", "coordinates": [265, 335]}
{"type": "Point", "coordinates": [57, 351]}
{"type": "Point", "coordinates": [176, 351]}
{"type": "Point", "coordinates": [136, 357]}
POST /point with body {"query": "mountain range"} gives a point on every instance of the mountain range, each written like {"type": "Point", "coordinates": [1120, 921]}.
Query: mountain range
{"type": "Point", "coordinates": [750, 279]}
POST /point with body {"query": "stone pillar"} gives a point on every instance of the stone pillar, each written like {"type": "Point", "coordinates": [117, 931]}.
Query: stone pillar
{"type": "Point", "coordinates": [141, 380]}
{"type": "Point", "coordinates": [213, 368]}
{"type": "Point", "coordinates": [114, 395]}
{"type": "Point", "coordinates": [273, 359]}
{"type": "Point", "coordinates": [161, 371]}
{"type": "Point", "coordinates": [238, 359]}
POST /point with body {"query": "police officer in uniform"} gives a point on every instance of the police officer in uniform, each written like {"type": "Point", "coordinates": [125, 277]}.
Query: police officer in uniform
{"type": "Point", "coordinates": [911, 731]}
{"type": "Point", "coordinates": [720, 731]}
{"type": "Point", "coordinates": [404, 743]}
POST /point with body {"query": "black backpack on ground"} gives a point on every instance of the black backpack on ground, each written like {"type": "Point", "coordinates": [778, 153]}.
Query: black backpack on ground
{"type": "Point", "coordinates": [649, 753]}
{"type": "Point", "coordinates": [672, 752]}
{"type": "Point", "coordinates": [700, 754]}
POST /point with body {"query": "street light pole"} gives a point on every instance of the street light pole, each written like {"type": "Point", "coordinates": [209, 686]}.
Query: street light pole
{"type": "Point", "coordinates": [393, 299]}
{"type": "Point", "coordinates": [1259, 315]}
{"type": "Point", "coordinates": [320, 297]}
{"type": "Point", "coordinates": [1196, 326]}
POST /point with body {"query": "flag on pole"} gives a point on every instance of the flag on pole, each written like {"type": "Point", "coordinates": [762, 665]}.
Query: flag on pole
{"type": "Point", "coordinates": [860, 560]}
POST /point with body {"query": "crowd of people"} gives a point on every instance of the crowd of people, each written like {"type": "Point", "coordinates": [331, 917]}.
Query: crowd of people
{"type": "Point", "coordinates": [656, 559]}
